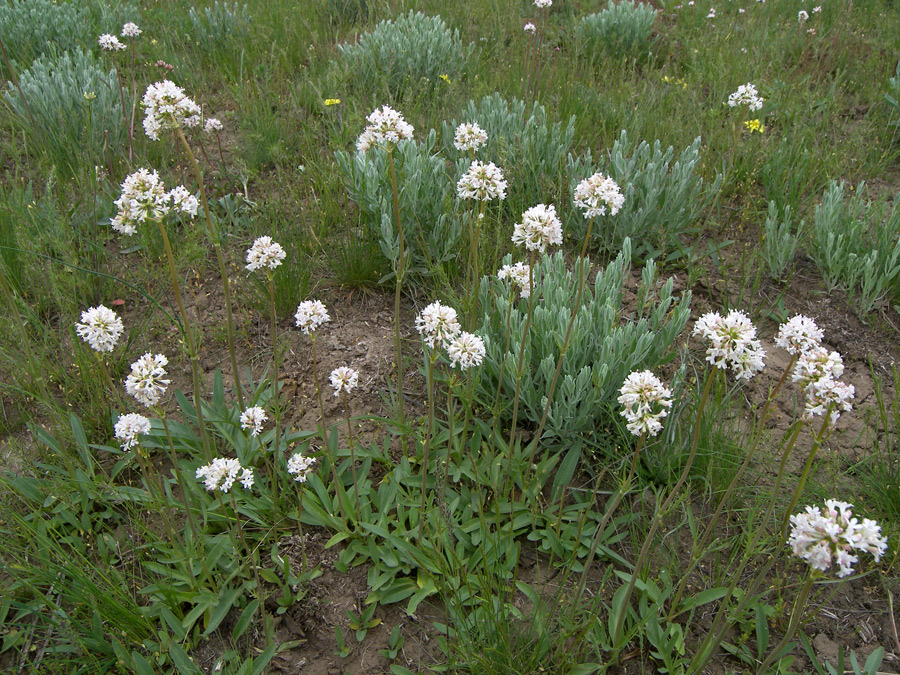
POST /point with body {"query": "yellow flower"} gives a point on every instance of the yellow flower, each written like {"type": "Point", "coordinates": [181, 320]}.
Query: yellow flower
{"type": "Point", "coordinates": [445, 78]}
{"type": "Point", "coordinates": [332, 101]}
{"type": "Point", "coordinates": [755, 125]}
{"type": "Point", "coordinates": [674, 80]}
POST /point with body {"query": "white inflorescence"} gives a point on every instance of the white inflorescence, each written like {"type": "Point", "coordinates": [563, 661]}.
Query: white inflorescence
{"type": "Point", "coordinates": [129, 427]}
{"type": "Point", "coordinates": [798, 335]}
{"type": "Point", "coordinates": [300, 466]}
{"type": "Point", "coordinates": [540, 227]}
{"type": "Point", "coordinates": [344, 379]}
{"type": "Point", "coordinates": [519, 274]}
{"type": "Point", "coordinates": [438, 324]}
{"type": "Point", "coordinates": [100, 327]}
{"type": "Point", "coordinates": [469, 136]}
{"type": "Point", "coordinates": [543, 3]}
{"type": "Point", "coordinates": [110, 43]}
{"type": "Point", "coordinates": [212, 126]}
{"type": "Point", "coordinates": [310, 315]}
{"type": "Point", "coordinates": [386, 127]}
{"type": "Point", "coordinates": [646, 402]}
{"type": "Point", "coordinates": [167, 107]}
{"type": "Point", "coordinates": [823, 538]}
{"type": "Point", "coordinates": [597, 194]}
{"type": "Point", "coordinates": [147, 381]}
{"type": "Point", "coordinates": [184, 201]}
{"type": "Point", "coordinates": [529, 27]}
{"type": "Point", "coordinates": [746, 95]}
{"type": "Point", "coordinates": [466, 351]}
{"type": "Point", "coordinates": [131, 30]}
{"type": "Point", "coordinates": [483, 182]}
{"type": "Point", "coordinates": [144, 198]}
{"type": "Point", "coordinates": [221, 473]}
{"type": "Point", "coordinates": [733, 343]}
{"type": "Point", "coordinates": [802, 16]}
{"type": "Point", "coordinates": [264, 253]}
{"type": "Point", "coordinates": [818, 371]}
{"type": "Point", "coordinates": [253, 419]}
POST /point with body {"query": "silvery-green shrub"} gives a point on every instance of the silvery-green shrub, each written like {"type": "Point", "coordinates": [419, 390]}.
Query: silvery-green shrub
{"type": "Point", "coordinates": [74, 106]}
{"type": "Point", "coordinates": [856, 245]}
{"type": "Point", "coordinates": [30, 28]}
{"type": "Point", "coordinates": [219, 24]}
{"type": "Point", "coordinates": [426, 195]}
{"type": "Point", "coordinates": [404, 51]}
{"type": "Point", "coordinates": [529, 148]}
{"type": "Point", "coordinates": [623, 28]}
{"type": "Point", "coordinates": [663, 198]}
{"type": "Point", "coordinates": [779, 240]}
{"type": "Point", "coordinates": [607, 341]}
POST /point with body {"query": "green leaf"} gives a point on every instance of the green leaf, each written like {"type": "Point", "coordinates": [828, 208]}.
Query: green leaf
{"type": "Point", "coordinates": [182, 661]}
{"type": "Point", "coordinates": [261, 661]}
{"type": "Point", "coordinates": [244, 619]}
{"type": "Point", "coordinates": [172, 622]}
{"type": "Point", "coordinates": [702, 598]}
{"type": "Point", "coordinates": [566, 469]}
{"type": "Point", "coordinates": [873, 663]}
{"type": "Point", "coordinates": [585, 669]}
{"type": "Point", "coordinates": [141, 665]}
{"type": "Point", "coordinates": [223, 606]}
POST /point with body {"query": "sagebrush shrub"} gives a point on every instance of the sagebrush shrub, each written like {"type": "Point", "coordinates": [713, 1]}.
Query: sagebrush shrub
{"type": "Point", "coordinates": [30, 28]}
{"type": "Point", "coordinates": [74, 106]}
{"type": "Point", "coordinates": [663, 198]}
{"type": "Point", "coordinates": [622, 28]}
{"type": "Point", "coordinates": [856, 245]}
{"type": "Point", "coordinates": [220, 24]}
{"type": "Point", "coordinates": [531, 150]}
{"type": "Point", "coordinates": [779, 240]}
{"type": "Point", "coordinates": [405, 51]}
{"type": "Point", "coordinates": [605, 346]}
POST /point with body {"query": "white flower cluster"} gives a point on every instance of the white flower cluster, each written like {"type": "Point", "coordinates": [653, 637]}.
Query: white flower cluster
{"type": "Point", "coordinates": [100, 327]}
{"type": "Point", "coordinates": [540, 227]}
{"type": "Point", "coordinates": [483, 182]}
{"type": "Point", "coordinates": [147, 381]}
{"type": "Point", "coordinates": [597, 194]}
{"type": "Point", "coordinates": [212, 126]}
{"type": "Point", "coordinates": [264, 253]}
{"type": "Point", "coordinates": [167, 107]}
{"type": "Point", "coordinates": [253, 419]}
{"type": "Point", "coordinates": [818, 371]}
{"type": "Point", "coordinates": [798, 334]}
{"type": "Point", "coordinates": [144, 198]}
{"type": "Point", "coordinates": [184, 201]}
{"type": "Point", "coordinates": [646, 402]}
{"type": "Point", "coordinates": [469, 136]}
{"type": "Point", "coordinates": [519, 274]}
{"type": "Point", "coordinates": [110, 43]}
{"type": "Point", "coordinates": [831, 536]}
{"type": "Point", "coordinates": [529, 28]}
{"type": "Point", "coordinates": [802, 16]}
{"type": "Point", "coordinates": [733, 343]}
{"type": "Point", "coordinates": [386, 127]}
{"type": "Point", "coordinates": [438, 324]}
{"type": "Point", "coordinates": [131, 30]}
{"type": "Point", "coordinates": [221, 474]}
{"type": "Point", "coordinates": [543, 3]}
{"type": "Point", "coordinates": [344, 379]}
{"type": "Point", "coordinates": [746, 95]}
{"type": "Point", "coordinates": [129, 427]}
{"type": "Point", "coordinates": [466, 350]}
{"type": "Point", "coordinates": [300, 466]}
{"type": "Point", "coordinates": [310, 315]}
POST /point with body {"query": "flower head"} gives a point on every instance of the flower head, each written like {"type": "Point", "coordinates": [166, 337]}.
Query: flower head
{"type": "Point", "coordinates": [100, 327]}
{"type": "Point", "coordinates": [147, 381]}
{"type": "Point", "coordinates": [802, 16]}
{"type": "Point", "coordinates": [646, 402]}
{"type": "Point", "coordinates": [386, 127]}
{"type": "Point", "coordinates": [129, 427]}
{"type": "Point", "coordinates": [519, 274]}
{"type": "Point", "coordinates": [483, 182]}
{"type": "Point", "coordinates": [540, 227]}
{"type": "Point", "coordinates": [300, 466]}
{"type": "Point", "coordinates": [543, 3]}
{"type": "Point", "coordinates": [798, 334]}
{"type": "Point", "coordinates": [331, 101]}
{"type": "Point", "coordinates": [831, 536]}
{"type": "Point", "coordinates": [221, 473]}
{"type": "Point", "coordinates": [212, 125]}
{"type": "Point", "coordinates": [712, 13]}
{"type": "Point", "coordinates": [110, 43]}
{"type": "Point", "coordinates": [253, 419]}
{"type": "Point", "coordinates": [465, 351]}
{"type": "Point", "coordinates": [167, 107]}
{"type": "Point", "coordinates": [755, 125]}
{"type": "Point", "coordinates": [131, 30]}
{"type": "Point", "coordinates": [529, 28]}
{"type": "Point", "coordinates": [344, 379]}
{"type": "Point", "coordinates": [746, 95]}
{"type": "Point", "coordinates": [264, 253]}
{"type": "Point", "coordinates": [310, 315]}
{"type": "Point", "coordinates": [733, 343]}
{"type": "Point", "coordinates": [597, 194]}
{"type": "Point", "coordinates": [184, 201]}
{"type": "Point", "coordinates": [144, 198]}
{"type": "Point", "coordinates": [438, 324]}
{"type": "Point", "coordinates": [818, 371]}
{"type": "Point", "coordinates": [469, 136]}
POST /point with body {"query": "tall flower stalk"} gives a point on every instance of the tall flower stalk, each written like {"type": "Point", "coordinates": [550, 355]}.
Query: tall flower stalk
{"type": "Point", "coordinates": [343, 381]}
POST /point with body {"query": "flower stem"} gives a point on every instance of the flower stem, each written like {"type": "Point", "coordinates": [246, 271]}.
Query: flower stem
{"type": "Point", "coordinates": [334, 475]}
{"type": "Point", "coordinates": [251, 559]}
{"type": "Point", "coordinates": [793, 624]}
{"type": "Point", "coordinates": [432, 357]}
{"type": "Point", "coordinates": [399, 273]}
{"type": "Point", "coordinates": [352, 453]}
{"type": "Point", "coordinates": [276, 408]}
{"type": "Point", "coordinates": [817, 442]}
